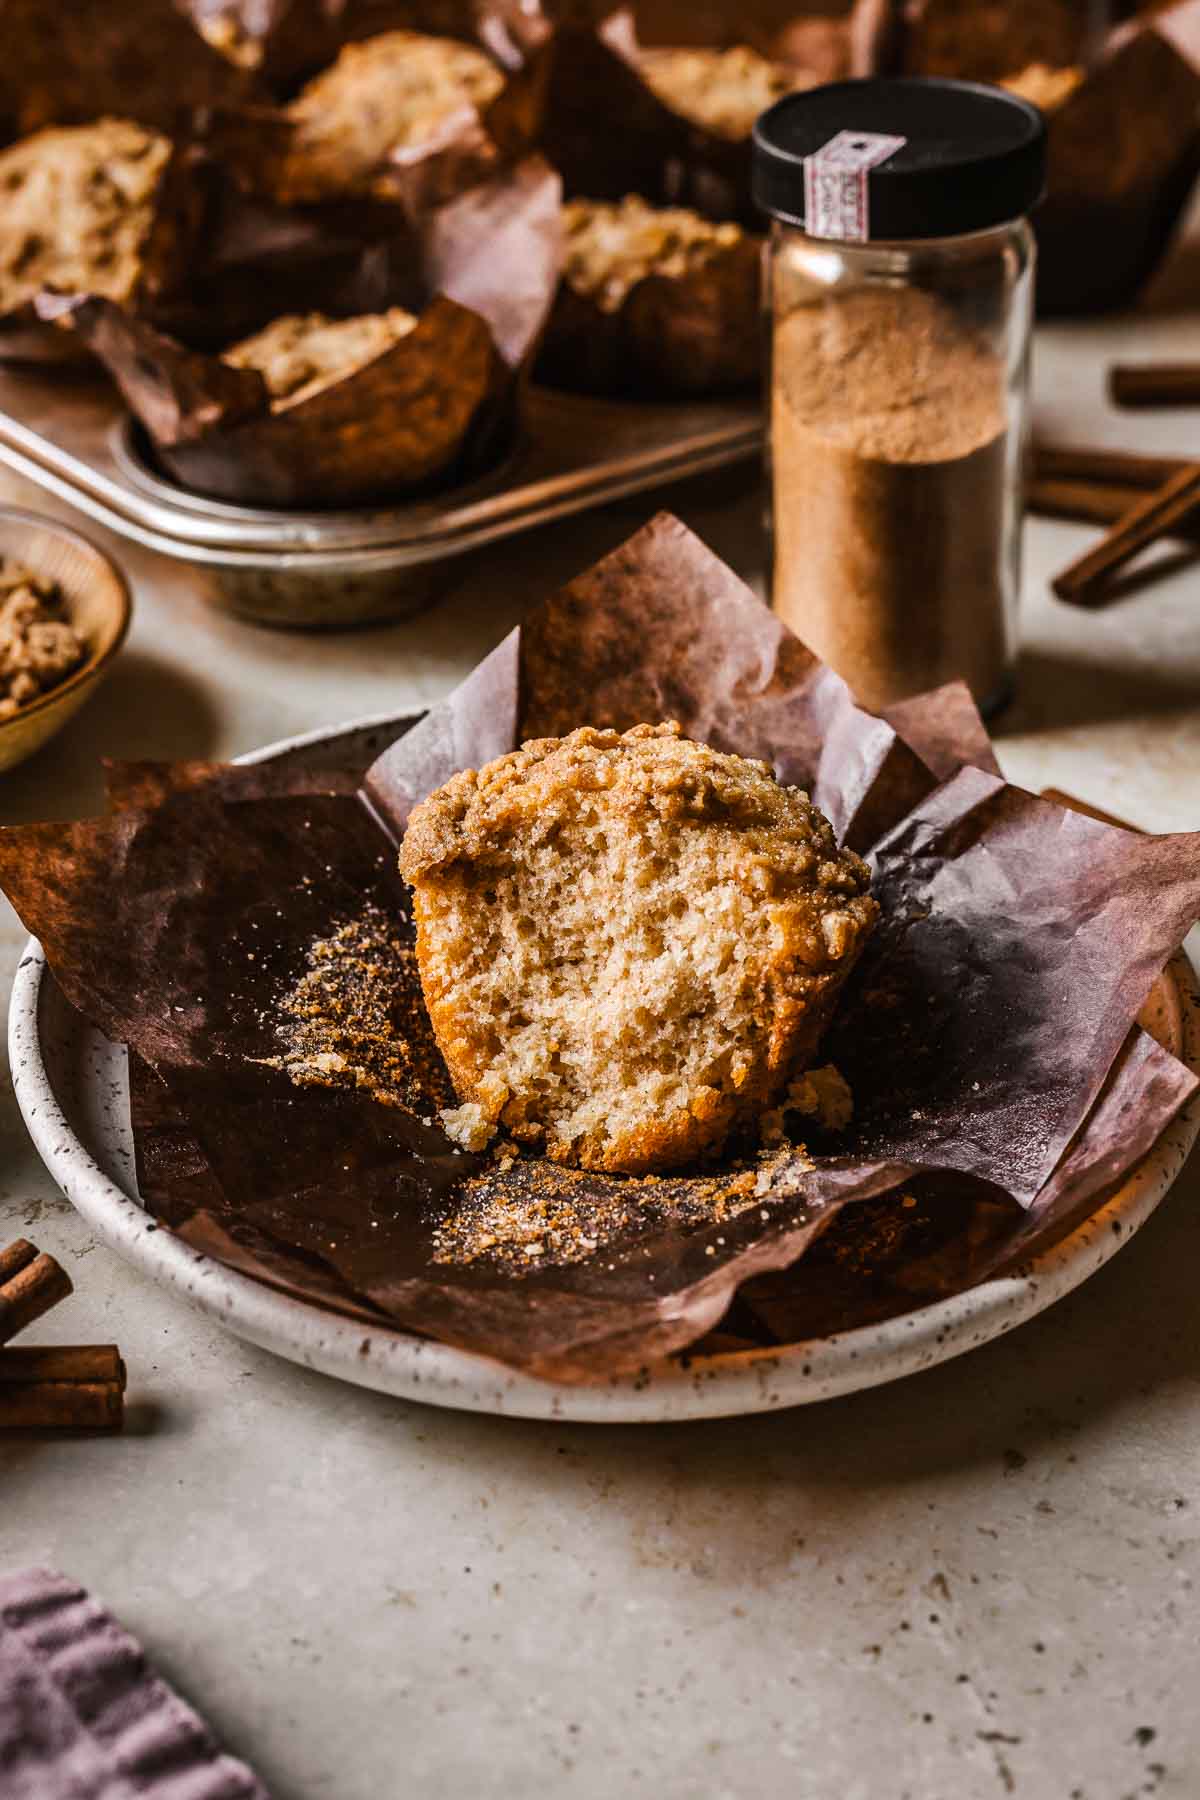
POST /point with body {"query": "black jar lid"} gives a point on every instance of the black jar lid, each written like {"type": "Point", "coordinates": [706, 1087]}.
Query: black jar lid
{"type": "Point", "coordinates": [972, 157]}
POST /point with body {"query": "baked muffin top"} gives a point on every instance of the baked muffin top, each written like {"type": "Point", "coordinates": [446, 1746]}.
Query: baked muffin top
{"type": "Point", "coordinates": [723, 90]}
{"type": "Point", "coordinates": [387, 93]}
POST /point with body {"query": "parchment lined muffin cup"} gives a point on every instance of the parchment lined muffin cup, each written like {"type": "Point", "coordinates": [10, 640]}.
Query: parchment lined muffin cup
{"type": "Point", "coordinates": [436, 407]}
{"type": "Point", "coordinates": [1124, 139]}
{"type": "Point", "coordinates": [140, 60]}
{"type": "Point", "coordinates": [693, 333]}
{"type": "Point", "coordinates": [218, 262]}
{"type": "Point", "coordinates": [275, 153]}
{"type": "Point", "coordinates": [588, 72]}
{"type": "Point", "coordinates": [1124, 156]}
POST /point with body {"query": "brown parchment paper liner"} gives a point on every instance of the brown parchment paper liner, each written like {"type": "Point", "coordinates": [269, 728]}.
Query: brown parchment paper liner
{"type": "Point", "coordinates": [987, 1033]}
{"type": "Point", "coordinates": [437, 406]}
{"type": "Point", "coordinates": [586, 74]}
{"type": "Point", "coordinates": [141, 59]}
{"type": "Point", "coordinates": [266, 147]}
{"type": "Point", "coordinates": [886, 1256]}
{"type": "Point", "coordinates": [1123, 158]}
{"type": "Point", "coordinates": [582, 100]}
{"type": "Point", "coordinates": [247, 261]}
{"type": "Point", "coordinates": [1124, 146]}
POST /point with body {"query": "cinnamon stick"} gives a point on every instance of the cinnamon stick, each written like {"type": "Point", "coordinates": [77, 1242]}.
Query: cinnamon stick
{"type": "Point", "coordinates": [1070, 462]}
{"type": "Point", "coordinates": [61, 1362]}
{"type": "Point", "coordinates": [30, 1284]}
{"type": "Point", "coordinates": [62, 1387]}
{"type": "Point", "coordinates": [61, 1406]}
{"type": "Point", "coordinates": [1155, 384]}
{"type": "Point", "coordinates": [14, 1257]}
{"type": "Point", "coordinates": [1151, 517]}
{"type": "Point", "coordinates": [1094, 503]}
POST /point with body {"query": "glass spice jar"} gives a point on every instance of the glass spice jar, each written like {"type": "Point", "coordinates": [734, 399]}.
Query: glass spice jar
{"type": "Point", "coordinates": [899, 287]}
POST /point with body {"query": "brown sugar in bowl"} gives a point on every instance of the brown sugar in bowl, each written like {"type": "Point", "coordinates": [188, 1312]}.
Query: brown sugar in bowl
{"type": "Point", "coordinates": [96, 598]}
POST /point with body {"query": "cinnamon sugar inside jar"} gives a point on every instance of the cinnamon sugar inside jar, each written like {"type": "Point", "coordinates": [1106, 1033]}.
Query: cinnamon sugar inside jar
{"type": "Point", "coordinates": [899, 287]}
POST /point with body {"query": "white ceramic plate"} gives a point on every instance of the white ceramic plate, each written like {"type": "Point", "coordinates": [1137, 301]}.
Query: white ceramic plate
{"type": "Point", "coordinates": [72, 1087]}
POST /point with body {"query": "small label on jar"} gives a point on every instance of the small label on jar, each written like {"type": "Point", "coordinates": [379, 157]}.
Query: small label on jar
{"type": "Point", "coordinates": [836, 198]}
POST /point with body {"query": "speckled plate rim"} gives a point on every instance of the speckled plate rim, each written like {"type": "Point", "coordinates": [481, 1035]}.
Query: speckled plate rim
{"type": "Point", "coordinates": [412, 1368]}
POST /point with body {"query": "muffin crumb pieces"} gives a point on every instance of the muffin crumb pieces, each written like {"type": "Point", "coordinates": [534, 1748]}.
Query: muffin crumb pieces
{"type": "Point", "coordinates": [520, 1212]}
{"type": "Point", "coordinates": [39, 647]}
{"type": "Point", "coordinates": [822, 1095]}
{"type": "Point", "coordinates": [467, 1126]}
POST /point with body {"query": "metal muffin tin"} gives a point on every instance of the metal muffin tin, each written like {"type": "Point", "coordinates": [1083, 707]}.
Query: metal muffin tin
{"type": "Point", "coordinates": [68, 431]}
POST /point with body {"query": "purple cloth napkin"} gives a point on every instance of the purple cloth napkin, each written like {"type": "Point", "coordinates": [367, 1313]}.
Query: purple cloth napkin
{"type": "Point", "coordinates": [83, 1717]}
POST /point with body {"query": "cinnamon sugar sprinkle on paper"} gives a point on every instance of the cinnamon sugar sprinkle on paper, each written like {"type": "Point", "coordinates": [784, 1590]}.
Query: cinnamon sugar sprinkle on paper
{"type": "Point", "coordinates": [525, 1213]}
{"type": "Point", "coordinates": [355, 1018]}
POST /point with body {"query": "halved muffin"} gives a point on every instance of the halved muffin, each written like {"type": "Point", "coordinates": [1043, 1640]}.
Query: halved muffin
{"type": "Point", "coordinates": [322, 410]}
{"type": "Point", "coordinates": [628, 944]}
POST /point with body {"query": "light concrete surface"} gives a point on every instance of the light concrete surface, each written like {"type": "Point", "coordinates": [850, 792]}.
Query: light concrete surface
{"type": "Point", "coordinates": [977, 1582]}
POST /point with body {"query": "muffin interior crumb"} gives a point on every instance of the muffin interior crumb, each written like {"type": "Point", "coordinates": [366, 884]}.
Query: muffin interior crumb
{"type": "Point", "coordinates": [610, 248]}
{"type": "Point", "coordinates": [1045, 87]}
{"type": "Point", "coordinates": [77, 207]}
{"type": "Point", "coordinates": [626, 943]}
{"type": "Point", "coordinates": [301, 354]}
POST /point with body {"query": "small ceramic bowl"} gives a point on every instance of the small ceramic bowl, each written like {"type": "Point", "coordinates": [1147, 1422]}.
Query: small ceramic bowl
{"type": "Point", "coordinates": [96, 598]}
